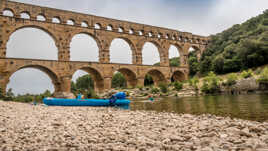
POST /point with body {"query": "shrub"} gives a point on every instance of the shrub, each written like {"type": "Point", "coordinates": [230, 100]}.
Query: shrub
{"type": "Point", "coordinates": [231, 79]}
{"type": "Point", "coordinates": [154, 90]}
{"type": "Point", "coordinates": [194, 82]}
{"type": "Point", "coordinates": [139, 87]}
{"type": "Point", "coordinates": [178, 86]}
{"type": "Point", "coordinates": [163, 87]}
{"type": "Point", "coordinates": [264, 76]}
{"type": "Point", "coordinates": [247, 74]}
{"type": "Point", "coordinates": [211, 84]}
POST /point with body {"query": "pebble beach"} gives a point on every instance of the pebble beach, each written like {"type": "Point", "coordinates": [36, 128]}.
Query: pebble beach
{"type": "Point", "coordinates": [28, 127]}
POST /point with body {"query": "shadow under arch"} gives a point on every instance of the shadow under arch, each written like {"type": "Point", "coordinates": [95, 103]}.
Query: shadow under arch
{"type": "Point", "coordinates": [96, 76]}
{"type": "Point", "coordinates": [178, 76]}
{"type": "Point", "coordinates": [130, 44]}
{"type": "Point", "coordinates": [130, 77]}
{"type": "Point", "coordinates": [158, 76]}
{"type": "Point", "coordinates": [52, 75]}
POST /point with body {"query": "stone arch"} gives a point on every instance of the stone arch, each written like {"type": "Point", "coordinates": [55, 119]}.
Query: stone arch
{"type": "Point", "coordinates": [130, 76]}
{"type": "Point", "coordinates": [110, 27]}
{"type": "Point", "coordinates": [159, 49]}
{"type": "Point", "coordinates": [178, 76]}
{"type": "Point", "coordinates": [8, 10]}
{"type": "Point", "coordinates": [157, 75]}
{"type": "Point", "coordinates": [56, 20]}
{"type": "Point", "coordinates": [26, 13]}
{"type": "Point", "coordinates": [97, 40]}
{"type": "Point", "coordinates": [197, 50]}
{"type": "Point", "coordinates": [41, 17]}
{"type": "Point", "coordinates": [84, 58]}
{"type": "Point", "coordinates": [96, 75]}
{"type": "Point", "coordinates": [131, 45]}
{"type": "Point", "coordinates": [179, 49]}
{"type": "Point", "coordinates": [36, 27]}
{"type": "Point", "coordinates": [48, 71]}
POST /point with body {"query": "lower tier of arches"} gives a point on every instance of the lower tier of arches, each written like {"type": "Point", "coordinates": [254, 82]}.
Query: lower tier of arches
{"type": "Point", "coordinates": [61, 72]}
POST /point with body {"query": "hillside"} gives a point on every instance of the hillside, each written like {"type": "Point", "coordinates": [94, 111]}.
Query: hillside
{"type": "Point", "coordinates": [238, 48]}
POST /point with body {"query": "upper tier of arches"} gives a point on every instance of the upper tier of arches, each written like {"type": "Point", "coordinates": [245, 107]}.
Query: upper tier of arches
{"type": "Point", "coordinates": [100, 23]}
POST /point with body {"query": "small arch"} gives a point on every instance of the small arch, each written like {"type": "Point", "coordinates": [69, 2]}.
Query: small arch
{"type": "Point", "coordinates": [109, 28]}
{"type": "Point", "coordinates": [167, 36]}
{"type": "Point", "coordinates": [141, 32]}
{"type": "Point", "coordinates": [25, 15]}
{"type": "Point", "coordinates": [96, 76]}
{"type": "Point", "coordinates": [70, 22]}
{"type": "Point", "coordinates": [84, 24]}
{"type": "Point", "coordinates": [8, 12]}
{"type": "Point", "coordinates": [120, 29]}
{"type": "Point", "coordinates": [40, 17]}
{"type": "Point", "coordinates": [97, 26]}
{"type": "Point", "coordinates": [56, 20]}
{"type": "Point", "coordinates": [159, 35]}
{"type": "Point", "coordinates": [150, 34]}
{"type": "Point", "coordinates": [131, 31]}
{"type": "Point", "coordinates": [157, 76]}
{"type": "Point", "coordinates": [178, 76]}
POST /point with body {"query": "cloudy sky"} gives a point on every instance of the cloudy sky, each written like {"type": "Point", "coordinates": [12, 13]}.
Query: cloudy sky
{"type": "Point", "coordinates": [203, 17]}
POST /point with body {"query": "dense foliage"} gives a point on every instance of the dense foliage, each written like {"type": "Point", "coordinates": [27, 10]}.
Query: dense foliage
{"type": "Point", "coordinates": [119, 81]}
{"type": "Point", "coordinates": [178, 86]}
{"type": "Point", "coordinates": [84, 85]}
{"type": "Point", "coordinates": [193, 63]}
{"type": "Point", "coordinates": [264, 76]}
{"type": "Point", "coordinates": [211, 84]}
{"type": "Point", "coordinates": [240, 47]}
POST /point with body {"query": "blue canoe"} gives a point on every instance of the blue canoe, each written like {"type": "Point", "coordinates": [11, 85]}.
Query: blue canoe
{"type": "Point", "coordinates": [85, 102]}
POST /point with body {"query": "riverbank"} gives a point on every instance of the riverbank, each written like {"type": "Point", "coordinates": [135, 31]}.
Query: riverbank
{"type": "Point", "coordinates": [27, 127]}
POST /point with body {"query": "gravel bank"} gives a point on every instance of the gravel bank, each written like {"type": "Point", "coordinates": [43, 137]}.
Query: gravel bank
{"type": "Point", "coordinates": [27, 127]}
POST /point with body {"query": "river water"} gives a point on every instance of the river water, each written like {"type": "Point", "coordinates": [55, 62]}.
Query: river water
{"type": "Point", "coordinates": [249, 107]}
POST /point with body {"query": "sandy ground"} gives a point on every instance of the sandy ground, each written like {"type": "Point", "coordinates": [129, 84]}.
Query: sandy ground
{"type": "Point", "coordinates": [28, 127]}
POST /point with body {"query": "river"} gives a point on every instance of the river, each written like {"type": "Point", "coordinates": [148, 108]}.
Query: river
{"type": "Point", "coordinates": [249, 107]}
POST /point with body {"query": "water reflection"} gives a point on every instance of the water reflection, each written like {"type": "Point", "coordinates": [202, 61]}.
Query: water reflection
{"type": "Point", "coordinates": [251, 107]}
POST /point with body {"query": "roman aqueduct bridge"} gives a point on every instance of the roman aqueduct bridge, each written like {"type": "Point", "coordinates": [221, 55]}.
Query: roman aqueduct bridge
{"type": "Point", "coordinates": [63, 25]}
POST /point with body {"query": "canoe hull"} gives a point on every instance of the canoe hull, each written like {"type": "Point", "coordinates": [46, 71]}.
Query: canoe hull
{"type": "Point", "coordinates": [84, 102]}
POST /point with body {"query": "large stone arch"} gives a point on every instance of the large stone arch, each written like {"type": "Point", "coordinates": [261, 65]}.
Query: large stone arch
{"type": "Point", "coordinates": [131, 45]}
{"type": "Point", "coordinates": [178, 76]}
{"type": "Point", "coordinates": [98, 41]}
{"type": "Point", "coordinates": [163, 59]}
{"type": "Point", "coordinates": [96, 75]}
{"type": "Point", "coordinates": [47, 70]}
{"type": "Point", "coordinates": [198, 51]}
{"type": "Point", "coordinates": [94, 37]}
{"type": "Point", "coordinates": [130, 76]}
{"type": "Point", "coordinates": [19, 27]}
{"type": "Point", "coordinates": [158, 76]}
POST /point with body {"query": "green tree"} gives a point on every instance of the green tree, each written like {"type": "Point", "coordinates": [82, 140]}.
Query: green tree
{"type": "Point", "coordinates": [148, 81]}
{"type": "Point", "coordinates": [119, 81]}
